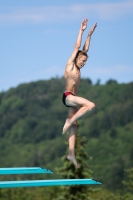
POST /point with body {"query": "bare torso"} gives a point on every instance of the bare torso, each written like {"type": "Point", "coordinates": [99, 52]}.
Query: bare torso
{"type": "Point", "coordinates": [72, 80]}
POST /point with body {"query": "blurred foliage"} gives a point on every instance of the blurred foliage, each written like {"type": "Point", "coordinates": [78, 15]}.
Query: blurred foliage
{"type": "Point", "coordinates": [68, 171]}
{"type": "Point", "coordinates": [129, 180]}
{"type": "Point", "coordinates": [31, 120]}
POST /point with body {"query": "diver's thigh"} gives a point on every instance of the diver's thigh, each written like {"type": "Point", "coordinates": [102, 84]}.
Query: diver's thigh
{"type": "Point", "coordinates": [76, 101]}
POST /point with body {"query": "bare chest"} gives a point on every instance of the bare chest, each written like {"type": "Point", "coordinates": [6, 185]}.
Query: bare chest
{"type": "Point", "coordinates": [73, 75]}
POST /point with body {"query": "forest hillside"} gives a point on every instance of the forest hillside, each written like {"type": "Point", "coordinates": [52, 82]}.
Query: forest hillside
{"type": "Point", "coordinates": [32, 117]}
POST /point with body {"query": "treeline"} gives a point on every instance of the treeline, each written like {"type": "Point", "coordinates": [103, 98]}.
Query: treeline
{"type": "Point", "coordinates": [31, 120]}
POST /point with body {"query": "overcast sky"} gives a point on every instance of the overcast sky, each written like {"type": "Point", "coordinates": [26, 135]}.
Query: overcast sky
{"type": "Point", "coordinates": [37, 38]}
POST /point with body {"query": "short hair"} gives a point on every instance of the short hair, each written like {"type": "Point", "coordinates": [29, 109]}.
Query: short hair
{"type": "Point", "coordinates": [81, 53]}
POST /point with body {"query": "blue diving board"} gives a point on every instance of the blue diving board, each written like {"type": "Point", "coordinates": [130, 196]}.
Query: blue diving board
{"type": "Point", "coordinates": [38, 183]}
{"type": "Point", "coordinates": [25, 170]}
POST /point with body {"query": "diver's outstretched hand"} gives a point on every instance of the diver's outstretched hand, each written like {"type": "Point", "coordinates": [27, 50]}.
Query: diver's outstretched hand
{"type": "Point", "coordinates": [84, 24]}
{"type": "Point", "coordinates": [92, 29]}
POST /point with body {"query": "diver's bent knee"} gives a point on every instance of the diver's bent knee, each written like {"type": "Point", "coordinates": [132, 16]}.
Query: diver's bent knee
{"type": "Point", "coordinates": [91, 106]}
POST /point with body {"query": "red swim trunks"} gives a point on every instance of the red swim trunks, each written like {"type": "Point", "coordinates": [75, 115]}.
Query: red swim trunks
{"type": "Point", "coordinates": [65, 94]}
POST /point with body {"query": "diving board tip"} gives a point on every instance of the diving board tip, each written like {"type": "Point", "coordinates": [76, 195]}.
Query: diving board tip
{"type": "Point", "coordinates": [25, 170]}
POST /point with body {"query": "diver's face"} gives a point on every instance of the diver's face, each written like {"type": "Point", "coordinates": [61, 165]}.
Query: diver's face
{"type": "Point", "coordinates": [81, 61]}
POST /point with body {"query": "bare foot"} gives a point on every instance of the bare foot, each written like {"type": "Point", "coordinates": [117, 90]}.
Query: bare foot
{"type": "Point", "coordinates": [73, 159]}
{"type": "Point", "coordinates": [66, 126]}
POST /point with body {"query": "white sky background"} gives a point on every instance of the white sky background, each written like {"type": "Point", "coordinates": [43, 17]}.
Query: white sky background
{"type": "Point", "coordinates": [37, 38]}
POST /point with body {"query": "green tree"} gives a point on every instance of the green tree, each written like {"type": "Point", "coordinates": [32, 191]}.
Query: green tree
{"type": "Point", "coordinates": [129, 182]}
{"type": "Point", "coordinates": [68, 171]}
